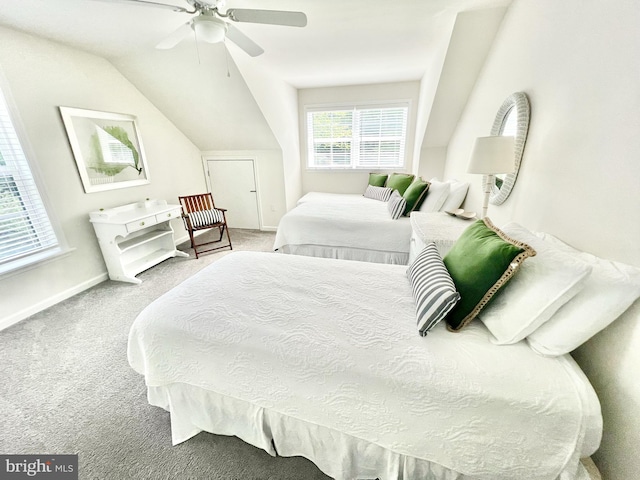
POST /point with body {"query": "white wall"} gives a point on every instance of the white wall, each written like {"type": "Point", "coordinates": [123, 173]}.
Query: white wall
{"type": "Point", "coordinates": [422, 159]}
{"type": "Point", "coordinates": [278, 102]}
{"type": "Point", "coordinates": [41, 76]}
{"type": "Point", "coordinates": [577, 60]}
{"type": "Point", "coordinates": [212, 104]}
{"type": "Point", "coordinates": [446, 86]}
{"type": "Point", "coordinates": [353, 181]}
{"type": "Point", "coordinates": [215, 111]}
{"type": "Point", "coordinates": [215, 108]}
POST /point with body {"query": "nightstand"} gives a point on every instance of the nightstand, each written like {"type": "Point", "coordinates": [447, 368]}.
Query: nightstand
{"type": "Point", "coordinates": [438, 227]}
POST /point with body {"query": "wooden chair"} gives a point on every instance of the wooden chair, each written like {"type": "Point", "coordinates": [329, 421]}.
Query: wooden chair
{"type": "Point", "coordinates": [199, 212]}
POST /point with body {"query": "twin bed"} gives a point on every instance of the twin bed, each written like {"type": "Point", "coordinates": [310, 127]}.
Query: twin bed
{"type": "Point", "coordinates": [320, 358]}
{"type": "Point", "coordinates": [355, 227]}
{"type": "Point", "coordinates": [344, 226]}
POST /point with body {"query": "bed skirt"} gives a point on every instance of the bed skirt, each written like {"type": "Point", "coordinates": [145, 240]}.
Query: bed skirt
{"type": "Point", "coordinates": [338, 455]}
{"type": "Point", "coordinates": [347, 253]}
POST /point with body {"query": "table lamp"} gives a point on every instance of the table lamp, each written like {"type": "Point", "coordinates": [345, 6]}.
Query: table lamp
{"type": "Point", "coordinates": [490, 156]}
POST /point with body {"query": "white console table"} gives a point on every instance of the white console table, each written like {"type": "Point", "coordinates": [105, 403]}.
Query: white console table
{"type": "Point", "coordinates": [135, 237]}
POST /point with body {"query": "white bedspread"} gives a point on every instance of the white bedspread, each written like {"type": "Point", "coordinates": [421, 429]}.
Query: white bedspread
{"type": "Point", "coordinates": [344, 221]}
{"type": "Point", "coordinates": [334, 344]}
{"type": "Point", "coordinates": [339, 198]}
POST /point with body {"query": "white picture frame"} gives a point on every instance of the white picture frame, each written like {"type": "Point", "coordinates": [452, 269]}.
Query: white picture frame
{"type": "Point", "coordinates": [107, 148]}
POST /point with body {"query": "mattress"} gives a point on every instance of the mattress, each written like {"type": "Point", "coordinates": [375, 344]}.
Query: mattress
{"type": "Point", "coordinates": [304, 356]}
{"type": "Point", "coordinates": [344, 226]}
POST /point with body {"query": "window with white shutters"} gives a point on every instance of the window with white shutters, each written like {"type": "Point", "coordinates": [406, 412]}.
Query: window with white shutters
{"type": "Point", "coordinates": [26, 233]}
{"type": "Point", "coordinates": [357, 137]}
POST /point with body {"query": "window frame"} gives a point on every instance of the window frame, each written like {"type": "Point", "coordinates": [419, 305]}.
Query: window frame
{"type": "Point", "coordinates": [61, 247]}
{"type": "Point", "coordinates": [353, 165]}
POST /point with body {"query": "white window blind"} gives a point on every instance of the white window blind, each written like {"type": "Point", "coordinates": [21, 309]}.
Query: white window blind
{"type": "Point", "coordinates": [25, 228]}
{"type": "Point", "coordinates": [357, 137]}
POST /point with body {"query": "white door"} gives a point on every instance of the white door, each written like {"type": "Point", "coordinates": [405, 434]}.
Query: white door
{"type": "Point", "coordinates": [233, 186]}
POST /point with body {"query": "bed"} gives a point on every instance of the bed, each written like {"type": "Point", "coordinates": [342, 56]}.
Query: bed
{"type": "Point", "coordinates": [354, 227]}
{"type": "Point", "coordinates": [344, 226]}
{"type": "Point", "coordinates": [320, 358]}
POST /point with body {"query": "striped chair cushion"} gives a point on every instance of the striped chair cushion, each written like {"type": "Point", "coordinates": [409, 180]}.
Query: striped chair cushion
{"type": "Point", "coordinates": [397, 205]}
{"type": "Point", "coordinates": [433, 289]}
{"type": "Point", "coordinates": [205, 217]}
{"type": "Point", "coordinates": [378, 193]}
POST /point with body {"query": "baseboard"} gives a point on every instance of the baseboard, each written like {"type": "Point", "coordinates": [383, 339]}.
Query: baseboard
{"type": "Point", "coordinates": [51, 301]}
{"type": "Point", "coordinates": [185, 238]}
{"type": "Point", "coordinates": [182, 239]}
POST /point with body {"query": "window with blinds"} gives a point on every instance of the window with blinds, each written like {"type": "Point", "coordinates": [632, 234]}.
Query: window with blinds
{"type": "Point", "coordinates": [25, 228]}
{"type": "Point", "coordinates": [357, 137]}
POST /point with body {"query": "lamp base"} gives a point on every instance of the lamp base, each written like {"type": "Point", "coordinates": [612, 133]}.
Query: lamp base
{"type": "Point", "coordinates": [489, 180]}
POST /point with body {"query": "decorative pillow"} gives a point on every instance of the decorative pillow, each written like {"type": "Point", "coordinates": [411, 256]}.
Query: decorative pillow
{"type": "Point", "coordinates": [456, 196]}
{"type": "Point", "coordinates": [436, 195]}
{"type": "Point", "coordinates": [378, 193]}
{"type": "Point", "coordinates": [482, 261]}
{"type": "Point", "coordinates": [400, 181]}
{"type": "Point", "coordinates": [433, 290]}
{"type": "Point", "coordinates": [608, 292]}
{"type": "Point", "coordinates": [205, 217]}
{"type": "Point", "coordinates": [378, 179]}
{"type": "Point", "coordinates": [543, 284]}
{"type": "Point", "coordinates": [415, 194]}
{"type": "Point", "coordinates": [397, 205]}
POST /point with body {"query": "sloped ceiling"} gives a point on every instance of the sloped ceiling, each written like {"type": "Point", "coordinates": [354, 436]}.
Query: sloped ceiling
{"type": "Point", "coordinates": [346, 42]}
{"type": "Point", "coordinates": [215, 111]}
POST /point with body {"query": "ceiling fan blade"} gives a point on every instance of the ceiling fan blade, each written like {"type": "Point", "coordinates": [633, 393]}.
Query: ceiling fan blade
{"type": "Point", "coordinates": [271, 17]}
{"type": "Point", "coordinates": [244, 42]}
{"type": "Point", "coordinates": [176, 37]}
{"type": "Point", "coordinates": [146, 3]}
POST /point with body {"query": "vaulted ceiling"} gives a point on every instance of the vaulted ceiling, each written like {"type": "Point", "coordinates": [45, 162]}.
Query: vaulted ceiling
{"type": "Point", "coordinates": [198, 87]}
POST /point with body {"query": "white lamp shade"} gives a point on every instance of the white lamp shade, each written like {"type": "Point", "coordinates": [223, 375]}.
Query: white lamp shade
{"type": "Point", "coordinates": [492, 155]}
{"type": "Point", "coordinates": [209, 29]}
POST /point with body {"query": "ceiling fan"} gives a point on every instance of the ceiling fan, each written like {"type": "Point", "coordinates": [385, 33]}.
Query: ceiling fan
{"type": "Point", "coordinates": [212, 25]}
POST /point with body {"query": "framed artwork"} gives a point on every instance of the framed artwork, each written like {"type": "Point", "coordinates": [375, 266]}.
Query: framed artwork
{"type": "Point", "coordinates": [107, 148]}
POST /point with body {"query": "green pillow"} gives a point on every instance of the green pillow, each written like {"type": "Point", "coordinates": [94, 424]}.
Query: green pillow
{"type": "Point", "coordinates": [481, 261]}
{"type": "Point", "coordinates": [400, 181]}
{"type": "Point", "coordinates": [415, 194]}
{"type": "Point", "coordinates": [378, 179]}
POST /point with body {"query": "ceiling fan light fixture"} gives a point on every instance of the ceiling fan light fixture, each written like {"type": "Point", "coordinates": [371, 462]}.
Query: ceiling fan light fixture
{"type": "Point", "coordinates": [209, 29]}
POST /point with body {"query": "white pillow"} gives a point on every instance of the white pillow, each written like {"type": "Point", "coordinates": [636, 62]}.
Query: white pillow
{"type": "Point", "coordinates": [542, 285]}
{"type": "Point", "coordinates": [436, 196]}
{"type": "Point", "coordinates": [457, 193]}
{"type": "Point", "coordinates": [610, 289]}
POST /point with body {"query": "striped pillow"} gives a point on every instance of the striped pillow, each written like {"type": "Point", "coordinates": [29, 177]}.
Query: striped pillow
{"type": "Point", "coordinates": [397, 205]}
{"type": "Point", "coordinates": [378, 193]}
{"type": "Point", "coordinates": [205, 217]}
{"type": "Point", "coordinates": [433, 289]}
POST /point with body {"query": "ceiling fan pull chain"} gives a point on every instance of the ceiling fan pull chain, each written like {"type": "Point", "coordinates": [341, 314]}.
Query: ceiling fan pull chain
{"type": "Point", "coordinates": [197, 48]}
{"type": "Point", "coordinates": [226, 56]}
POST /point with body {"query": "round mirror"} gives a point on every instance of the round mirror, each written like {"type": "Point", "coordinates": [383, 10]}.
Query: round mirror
{"type": "Point", "coordinates": [512, 119]}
